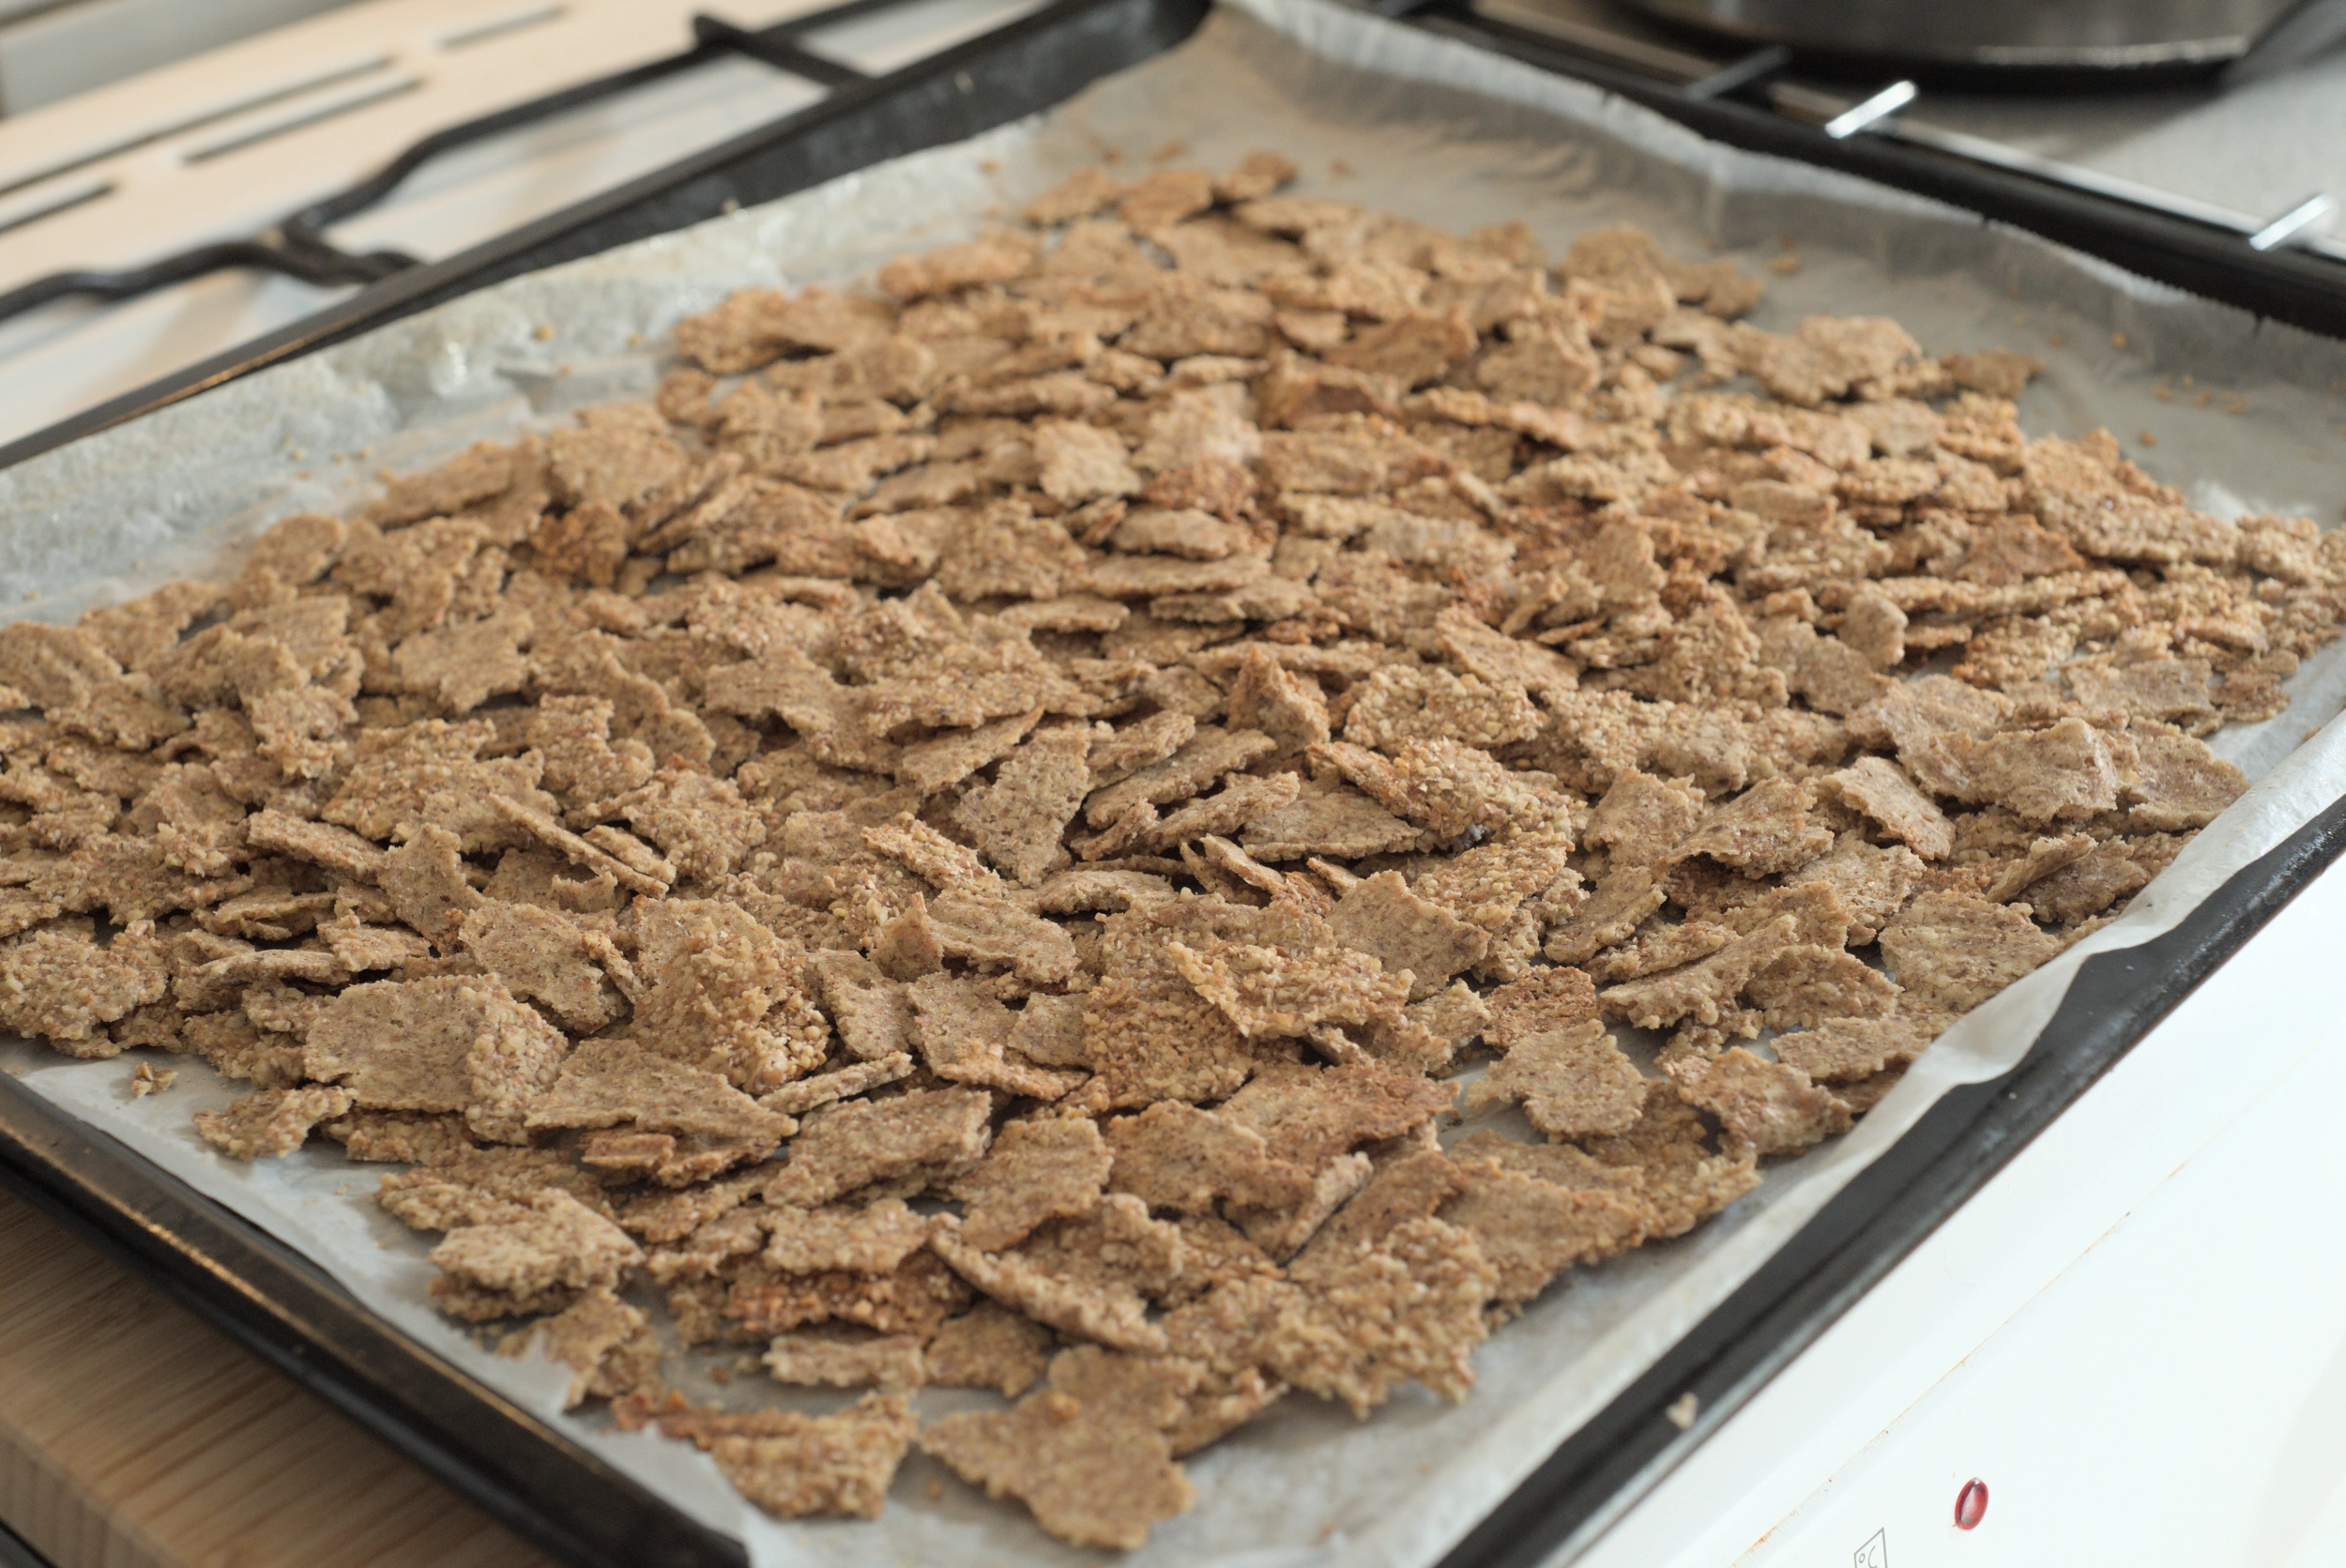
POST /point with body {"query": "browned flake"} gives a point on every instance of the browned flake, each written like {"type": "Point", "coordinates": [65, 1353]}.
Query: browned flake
{"type": "Point", "coordinates": [1803, 984]}
{"type": "Point", "coordinates": [832, 1358]}
{"type": "Point", "coordinates": [272, 1123]}
{"type": "Point", "coordinates": [1177, 1157]}
{"type": "Point", "coordinates": [1089, 1455]}
{"type": "Point", "coordinates": [928, 1134]}
{"type": "Point", "coordinates": [1886, 796]}
{"type": "Point", "coordinates": [610, 1347]}
{"type": "Point", "coordinates": [1642, 819]}
{"type": "Point", "coordinates": [1771, 828]}
{"type": "Point", "coordinates": [57, 983]}
{"type": "Point", "coordinates": [2178, 784]}
{"type": "Point", "coordinates": [1382, 917]}
{"type": "Point", "coordinates": [539, 1262]}
{"type": "Point", "coordinates": [1843, 1050]}
{"type": "Point", "coordinates": [1037, 1170]}
{"type": "Point", "coordinates": [1530, 1230]}
{"type": "Point", "coordinates": [989, 1347]}
{"type": "Point", "coordinates": [1956, 950]}
{"type": "Point", "coordinates": [1572, 1082]}
{"type": "Point", "coordinates": [1619, 904]}
{"type": "Point", "coordinates": [796, 1466]}
{"type": "Point", "coordinates": [1092, 1293]}
{"type": "Point", "coordinates": [1700, 990]}
{"type": "Point", "coordinates": [1773, 1107]}
{"type": "Point", "coordinates": [1543, 1002]}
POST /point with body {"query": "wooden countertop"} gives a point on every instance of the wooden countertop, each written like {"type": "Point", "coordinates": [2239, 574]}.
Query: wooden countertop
{"type": "Point", "coordinates": [134, 1436]}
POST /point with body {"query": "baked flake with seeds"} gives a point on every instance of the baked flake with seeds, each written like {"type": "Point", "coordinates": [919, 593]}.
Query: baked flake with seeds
{"type": "Point", "coordinates": [982, 839]}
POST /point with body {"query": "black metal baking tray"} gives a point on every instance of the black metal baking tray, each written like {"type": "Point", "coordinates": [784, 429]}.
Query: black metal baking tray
{"type": "Point", "coordinates": [556, 1494]}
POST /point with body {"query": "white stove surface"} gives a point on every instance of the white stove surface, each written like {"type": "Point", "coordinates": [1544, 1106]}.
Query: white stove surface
{"type": "Point", "coordinates": [222, 145]}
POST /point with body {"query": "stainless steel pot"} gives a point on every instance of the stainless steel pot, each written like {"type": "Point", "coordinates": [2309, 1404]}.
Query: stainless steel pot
{"type": "Point", "coordinates": [2126, 35]}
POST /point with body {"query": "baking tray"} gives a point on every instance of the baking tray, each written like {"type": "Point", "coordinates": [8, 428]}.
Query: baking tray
{"type": "Point", "coordinates": [555, 1492]}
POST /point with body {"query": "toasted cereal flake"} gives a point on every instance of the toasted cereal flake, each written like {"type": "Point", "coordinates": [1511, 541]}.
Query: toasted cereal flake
{"type": "Point", "coordinates": [720, 992]}
{"type": "Point", "coordinates": [1956, 950]}
{"type": "Point", "coordinates": [1641, 818]}
{"type": "Point", "coordinates": [1615, 907]}
{"type": "Point", "coordinates": [1446, 787]}
{"type": "Point", "coordinates": [510, 1064]}
{"type": "Point", "coordinates": [963, 1031]}
{"type": "Point", "coordinates": [2066, 771]}
{"type": "Point", "coordinates": [611, 1083]}
{"type": "Point", "coordinates": [1209, 754]}
{"type": "Point", "coordinates": [402, 1046]}
{"type": "Point", "coordinates": [543, 826]}
{"type": "Point", "coordinates": [337, 849]}
{"type": "Point", "coordinates": [542, 957]}
{"type": "Point", "coordinates": [989, 1347]}
{"type": "Point", "coordinates": [1879, 789]}
{"type": "Point", "coordinates": [1382, 917]}
{"type": "Point", "coordinates": [668, 1159]}
{"type": "Point", "coordinates": [463, 1185]}
{"type": "Point", "coordinates": [1543, 1002]}
{"type": "Point", "coordinates": [1489, 884]}
{"type": "Point", "coordinates": [1659, 947]}
{"type": "Point", "coordinates": [57, 983]}
{"type": "Point", "coordinates": [362, 948]}
{"type": "Point", "coordinates": [873, 1013]}
{"type": "Point", "coordinates": [1773, 1107]}
{"type": "Point", "coordinates": [995, 933]}
{"type": "Point", "coordinates": [1572, 1082]}
{"type": "Point", "coordinates": [844, 1083]}
{"type": "Point", "coordinates": [932, 1133]}
{"type": "Point", "coordinates": [1408, 1309]}
{"type": "Point", "coordinates": [1017, 821]}
{"type": "Point", "coordinates": [1177, 1157]}
{"type": "Point", "coordinates": [1803, 984]}
{"type": "Point", "coordinates": [799, 1466]}
{"type": "Point", "coordinates": [424, 879]}
{"type": "Point", "coordinates": [2044, 858]}
{"type": "Point", "coordinates": [145, 1080]}
{"type": "Point", "coordinates": [2179, 783]}
{"type": "Point", "coordinates": [1037, 1170]}
{"type": "Point", "coordinates": [271, 1124]}
{"type": "Point", "coordinates": [1092, 1304]}
{"type": "Point", "coordinates": [1769, 829]}
{"type": "Point", "coordinates": [1531, 1231]}
{"type": "Point", "coordinates": [1089, 1455]}
{"type": "Point", "coordinates": [1402, 703]}
{"type": "Point", "coordinates": [540, 1263]}
{"type": "Point", "coordinates": [919, 1294]}
{"type": "Point", "coordinates": [1410, 1187]}
{"type": "Point", "coordinates": [1267, 993]}
{"type": "Point", "coordinates": [609, 1346]}
{"type": "Point", "coordinates": [1702, 990]}
{"type": "Point", "coordinates": [1309, 1115]}
{"type": "Point", "coordinates": [823, 1358]}
{"type": "Point", "coordinates": [1339, 822]}
{"type": "Point", "coordinates": [1843, 1050]}
{"type": "Point", "coordinates": [658, 1217]}
{"type": "Point", "coordinates": [1681, 1181]}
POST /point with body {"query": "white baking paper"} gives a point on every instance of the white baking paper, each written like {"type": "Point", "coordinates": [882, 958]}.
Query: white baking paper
{"type": "Point", "coordinates": [1377, 113]}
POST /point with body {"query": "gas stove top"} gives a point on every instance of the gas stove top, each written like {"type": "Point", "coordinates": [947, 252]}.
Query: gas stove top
{"type": "Point", "coordinates": [158, 219]}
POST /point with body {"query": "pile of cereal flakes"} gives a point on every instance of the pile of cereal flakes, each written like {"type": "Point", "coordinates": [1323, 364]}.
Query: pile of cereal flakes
{"type": "Point", "coordinates": [969, 842]}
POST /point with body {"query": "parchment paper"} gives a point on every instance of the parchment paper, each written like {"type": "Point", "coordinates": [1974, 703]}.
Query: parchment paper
{"type": "Point", "coordinates": [1380, 114]}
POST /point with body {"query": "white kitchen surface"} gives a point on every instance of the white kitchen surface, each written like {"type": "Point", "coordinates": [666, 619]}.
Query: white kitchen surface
{"type": "Point", "coordinates": [222, 145]}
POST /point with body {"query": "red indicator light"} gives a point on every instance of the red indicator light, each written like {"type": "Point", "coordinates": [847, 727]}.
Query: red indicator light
{"type": "Point", "coordinates": [1971, 1504]}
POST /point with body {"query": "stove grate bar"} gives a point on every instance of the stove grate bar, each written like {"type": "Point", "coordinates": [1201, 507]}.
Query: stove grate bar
{"type": "Point", "coordinates": [299, 247]}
